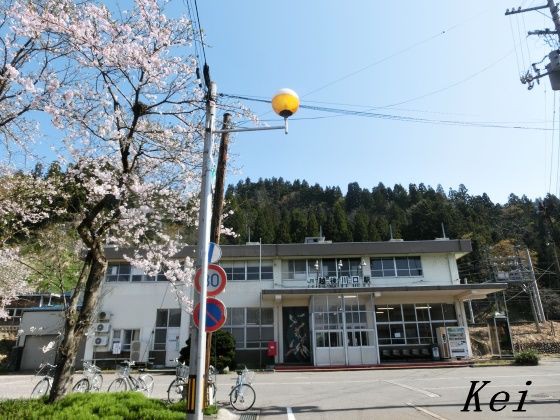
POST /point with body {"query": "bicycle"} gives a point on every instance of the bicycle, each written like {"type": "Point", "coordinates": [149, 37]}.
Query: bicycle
{"type": "Point", "coordinates": [177, 386]}
{"type": "Point", "coordinates": [242, 396]}
{"type": "Point", "coordinates": [92, 381]}
{"type": "Point", "coordinates": [143, 383]}
{"type": "Point", "coordinates": [44, 385]}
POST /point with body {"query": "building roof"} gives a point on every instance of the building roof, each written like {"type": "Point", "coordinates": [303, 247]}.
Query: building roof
{"type": "Point", "coordinates": [459, 247]}
{"type": "Point", "coordinates": [459, 291]}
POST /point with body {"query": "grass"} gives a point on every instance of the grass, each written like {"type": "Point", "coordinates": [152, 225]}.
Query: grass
{"type": "Point", "coordinates": [113, 406]}
{"type": "Point", "coordinates": [493, 362]}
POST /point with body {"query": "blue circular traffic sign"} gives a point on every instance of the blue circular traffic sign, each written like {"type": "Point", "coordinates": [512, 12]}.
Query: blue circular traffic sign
{"type": "Point", "coordinates": [215, 314]}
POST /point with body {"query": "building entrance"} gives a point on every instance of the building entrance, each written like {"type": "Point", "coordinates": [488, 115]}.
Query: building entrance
{"type": "Point", "coordinates": [343, 330]}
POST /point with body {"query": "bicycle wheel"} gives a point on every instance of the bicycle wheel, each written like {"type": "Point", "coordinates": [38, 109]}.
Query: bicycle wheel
{"type": "Point", "coordinates": [212, 390]}
{"type": "Point", "coordinates": [242, 397]}
{"type": "Point", "coordinates": [146, 384]}
{"type": "Point", "coordinates": [41, 388]}
{"type": "Point", "coordinates": [175, 390]}
{"type": "Point", "coordinates": [118, 385]}
{"type": "Point", "coordinates": [96, 382]}
{"type": "Point", "coordinates": [82, 385]}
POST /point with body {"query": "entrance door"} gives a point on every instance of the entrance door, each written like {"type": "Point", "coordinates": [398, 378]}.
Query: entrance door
{"type": "Point", "coordinates": [172, 346]}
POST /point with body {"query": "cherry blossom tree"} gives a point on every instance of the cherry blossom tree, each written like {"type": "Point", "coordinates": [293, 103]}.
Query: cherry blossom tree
{"type": "Point", "coordinates": [130, 116]}
{"type": "Point", "coordinates": [27, 79]}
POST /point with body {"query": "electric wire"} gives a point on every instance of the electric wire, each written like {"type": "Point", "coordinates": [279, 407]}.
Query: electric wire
{"type": "Point", "coordinates": [395, 54]}
{"type": "Point", "coordinates": [443, 89]}
{"type": "Point", "coordinates": [515, 47]}
{"type": "Point", "coordinates": [385, 116]}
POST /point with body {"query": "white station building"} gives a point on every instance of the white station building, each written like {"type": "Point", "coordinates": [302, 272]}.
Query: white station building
{"type": "Point", "coordinates": [316, 303]}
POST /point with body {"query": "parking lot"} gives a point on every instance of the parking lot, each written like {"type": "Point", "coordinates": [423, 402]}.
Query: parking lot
{"type": "Point", "coordinates": [380, 394]}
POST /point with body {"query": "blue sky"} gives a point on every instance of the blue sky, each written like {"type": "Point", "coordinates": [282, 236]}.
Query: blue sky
{"type": "Point", "coordinates": [318, 48]}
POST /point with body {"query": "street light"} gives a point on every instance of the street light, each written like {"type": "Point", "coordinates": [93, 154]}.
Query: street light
{"type": "Point", "coordinates": [285, 103]}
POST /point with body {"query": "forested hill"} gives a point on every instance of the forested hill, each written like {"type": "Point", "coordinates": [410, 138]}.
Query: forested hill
{"type": "Point", "coordinates": [279, 211]}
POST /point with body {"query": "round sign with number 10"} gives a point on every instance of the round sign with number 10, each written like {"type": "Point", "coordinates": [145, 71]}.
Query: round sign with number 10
{"type": "Point", "coordinates": [216, 280]}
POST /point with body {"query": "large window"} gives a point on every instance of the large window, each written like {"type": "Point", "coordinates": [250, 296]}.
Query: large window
{"type": "Point", "coordinates": [412, 323]}
{"type": "Point", "coordinates": [248, 270]}
{"type": "Point", "coordinates": [396, 267]}
{"type": "Point", "coordinates": [124, 272]}
{"type": "Point", "coordinates": [125, 338]}
{"type": "Point", "coordinates": [252, 328]}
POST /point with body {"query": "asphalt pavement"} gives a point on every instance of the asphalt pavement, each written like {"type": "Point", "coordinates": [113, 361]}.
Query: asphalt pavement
{"type": "Point", "coordinates": [379, 394]}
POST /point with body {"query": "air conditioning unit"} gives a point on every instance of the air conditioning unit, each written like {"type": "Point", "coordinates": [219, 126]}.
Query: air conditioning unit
{"type": "Point", "coordinates": [103, 316]}
{"type": "Point", "coordinates": [135, 351]}
{"type": "Point", "coordinates": [101, 341]}
{"type": "Point", "coordinates": [102, 327]}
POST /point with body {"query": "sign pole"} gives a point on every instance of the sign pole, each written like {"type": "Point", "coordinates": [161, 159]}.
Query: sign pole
{"type": "Point", "coordinates": [203, 246]}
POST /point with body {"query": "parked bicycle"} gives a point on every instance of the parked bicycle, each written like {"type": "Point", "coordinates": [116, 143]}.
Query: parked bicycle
{"type": "Point", "coordinates": [92, 381]}
{"type": "Point", "coordinates": [44, 385]}
{"type": "Point", "coordinates": [178, 385]}
{"type": "Point", "coordinates": [143, 382]}
{"type": "Point", "coordinates": [242, 396]}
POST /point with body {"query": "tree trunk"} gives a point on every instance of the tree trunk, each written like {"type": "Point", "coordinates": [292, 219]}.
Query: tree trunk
{"type": "Point", "coordinates": [78, 321]}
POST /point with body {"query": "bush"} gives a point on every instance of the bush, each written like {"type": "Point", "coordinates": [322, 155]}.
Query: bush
{"type": "Point", "coordinates": [222, 353]}
{"type": "Point", "coordinates": [527, 358]}
{"type": "Point", "coordinates": [121, 405]}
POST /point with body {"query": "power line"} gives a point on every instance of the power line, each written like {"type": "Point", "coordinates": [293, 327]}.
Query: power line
{"type": "Point", "coordinates": [402, 51]}
{"type": "Point", "coordinates": [368, 114]}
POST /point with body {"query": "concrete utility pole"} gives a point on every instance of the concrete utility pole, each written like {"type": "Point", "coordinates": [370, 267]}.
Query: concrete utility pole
{"type": "Point", "coordinates": [198, 356]}
{"type": "Point", "coordinates": [553, 67]}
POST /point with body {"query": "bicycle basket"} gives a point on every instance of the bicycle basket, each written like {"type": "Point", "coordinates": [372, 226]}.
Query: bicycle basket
{"type": "Point", "coordinates": [182, 371]}
{"type": "Point", "coordinates": [124, 370]}
{"type": "Point", "coordinates": [248, 376]}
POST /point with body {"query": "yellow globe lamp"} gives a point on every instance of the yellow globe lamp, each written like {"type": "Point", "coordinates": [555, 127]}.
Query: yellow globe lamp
{"type": "Point", "coordinates": [285, 103]}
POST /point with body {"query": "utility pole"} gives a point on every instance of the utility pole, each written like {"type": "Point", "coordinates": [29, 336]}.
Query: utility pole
{"type": "Point", "coordinates": [217, 210]}
{"type": "Point", "coordinates": [198, 346]}
{"type": "Point", "coordinates": [553, 67]}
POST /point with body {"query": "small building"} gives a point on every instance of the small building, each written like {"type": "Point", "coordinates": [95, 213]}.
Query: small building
{"type": "Point", "coordinates": [320, 303]}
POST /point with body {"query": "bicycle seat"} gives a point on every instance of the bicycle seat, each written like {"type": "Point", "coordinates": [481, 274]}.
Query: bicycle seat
{"type": "Point", "coordinates": [239, 372]}
{"type": "Point", "coordinates": [141, 370]}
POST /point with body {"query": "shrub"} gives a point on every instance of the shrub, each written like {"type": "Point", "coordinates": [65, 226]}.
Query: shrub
{"type": "Point", "coordinates": [222, 354]}
{"type": "Point", "coordinates": [122, 405]}
{"type": "Point", "coordinates": [527, 357]}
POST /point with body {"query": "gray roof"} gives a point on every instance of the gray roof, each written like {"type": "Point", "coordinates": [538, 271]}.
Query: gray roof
{"type": "Point", "coordinates": [459, 247]}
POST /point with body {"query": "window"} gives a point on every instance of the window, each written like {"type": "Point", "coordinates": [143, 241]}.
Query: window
{"type": "Point", "coordinates": [165, 318]}
{"type": "Point", "coordinates": [252, 328]}
{"type": "Point", "coordinates": [248, 270]}
{"type": "Point", "coordinates": [125, 337]}
{"type": "Point", "coordinates": [297, 269]}
{"type": "Point", "coordinates": [412, 323]}
{"type": "Point", "coordinates": [396, 267]}
{"type": "Point", "coordinates": [124, 272]}
{"type": "Point", "coordinates": [118, 272]}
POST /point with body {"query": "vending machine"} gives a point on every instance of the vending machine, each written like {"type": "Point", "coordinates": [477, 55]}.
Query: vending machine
{"type": "Point", "coordinates": [452, 342]}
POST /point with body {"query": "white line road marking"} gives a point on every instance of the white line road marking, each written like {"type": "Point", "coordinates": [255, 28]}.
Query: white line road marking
{"type": "Point", "coordinates": [428, 393]}
{"type": "Point", "coordinates": [428, 412]}
{"type": "Point", "coordinates": [494, 386]}
{"type": "Point", "coordinates": [290, 413]}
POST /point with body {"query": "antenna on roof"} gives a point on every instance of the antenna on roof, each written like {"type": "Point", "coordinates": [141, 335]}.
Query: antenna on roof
{"type": "Point", "coordinates": [320, 231]}
{"type": "Point", "coordinates": [391, 231]}
{"type": "Point", "coordinates": [443, 230]}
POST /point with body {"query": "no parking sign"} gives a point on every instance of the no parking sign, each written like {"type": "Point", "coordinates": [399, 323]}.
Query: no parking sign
{"type": "Point", "coordinates": [215, 314]}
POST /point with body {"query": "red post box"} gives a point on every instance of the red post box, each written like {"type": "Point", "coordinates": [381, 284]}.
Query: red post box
{"type": "Point", "coordinates": [272, 348]}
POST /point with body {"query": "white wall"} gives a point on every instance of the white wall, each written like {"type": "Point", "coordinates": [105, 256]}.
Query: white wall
{"type": "Point", "coordinates": [40, 323]}
{"type": "Point", "coordinates": [134, 306]}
